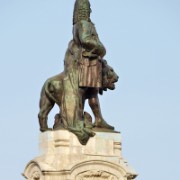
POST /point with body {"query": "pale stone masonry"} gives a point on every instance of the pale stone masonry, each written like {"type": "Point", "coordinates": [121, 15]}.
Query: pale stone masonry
{"type": "Point", "coordinates": [62, 157]}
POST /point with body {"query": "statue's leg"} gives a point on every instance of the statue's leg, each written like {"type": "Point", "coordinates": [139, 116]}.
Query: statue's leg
{"type": "Point", "coordinates": [95, 106]}
{"type": "Point", "coordinates": [45, 107]}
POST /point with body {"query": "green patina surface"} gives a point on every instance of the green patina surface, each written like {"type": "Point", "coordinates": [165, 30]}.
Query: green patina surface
{"type": "Point", "coordinates": [85, 75]}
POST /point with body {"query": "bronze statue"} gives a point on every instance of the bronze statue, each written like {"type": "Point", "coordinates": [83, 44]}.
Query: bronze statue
{"type": "Point", "coordinates": [91, 50]}
{"type": "Point", "coordinates": [85, 75]}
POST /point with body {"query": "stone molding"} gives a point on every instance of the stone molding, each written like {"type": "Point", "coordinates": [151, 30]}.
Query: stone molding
{"type": "Point", "coordinates": [63, 157]}
{"type": "Point", "coordinates": [96, 175]}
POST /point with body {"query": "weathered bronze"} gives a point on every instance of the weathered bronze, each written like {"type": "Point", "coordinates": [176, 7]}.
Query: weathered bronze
{"type": "Point", "coordinates": [85, 75]}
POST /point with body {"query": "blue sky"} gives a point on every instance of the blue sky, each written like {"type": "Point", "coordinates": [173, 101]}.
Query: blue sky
{"type": "Point", "coordinates": [142, 39]}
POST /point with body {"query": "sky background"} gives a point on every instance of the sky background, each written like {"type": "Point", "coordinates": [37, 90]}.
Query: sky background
{"type": "Point", "coordinates": [142, 38]}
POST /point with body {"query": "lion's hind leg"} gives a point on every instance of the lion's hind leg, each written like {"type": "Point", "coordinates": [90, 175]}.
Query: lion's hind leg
{"type": "Point", "coordinates": [45, 107]}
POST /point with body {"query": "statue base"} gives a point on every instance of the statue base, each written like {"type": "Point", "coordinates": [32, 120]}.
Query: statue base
{"type": "Point", "coordinates": [62, 157]}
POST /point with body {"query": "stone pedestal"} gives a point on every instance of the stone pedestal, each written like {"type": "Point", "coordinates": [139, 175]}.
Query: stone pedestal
{"type": "Point", "coordinates": [62, 157]}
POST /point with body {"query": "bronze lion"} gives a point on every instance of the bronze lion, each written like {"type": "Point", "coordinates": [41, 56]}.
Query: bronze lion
{"type": "Point", "coordinates": [51, 94]}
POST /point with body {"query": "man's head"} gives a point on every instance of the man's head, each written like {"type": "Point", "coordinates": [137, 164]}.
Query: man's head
{"type": "Point", "coordinates": [82, 10]}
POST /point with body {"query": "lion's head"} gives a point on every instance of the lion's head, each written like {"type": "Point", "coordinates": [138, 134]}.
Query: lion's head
{"type": "Point", "coordinates": [109, 77]}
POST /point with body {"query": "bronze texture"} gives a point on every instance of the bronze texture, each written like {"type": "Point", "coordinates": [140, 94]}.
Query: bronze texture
{"type": "Point", "coordinates": [86, 74]}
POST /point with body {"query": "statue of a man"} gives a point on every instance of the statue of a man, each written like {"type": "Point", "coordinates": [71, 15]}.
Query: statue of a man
{"type": "Point", "coordinates": [83, 62]}
{"type": "Point", "coordinates": [90, 48]}
{"type": "Point", "coordinates": [83, 78]}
